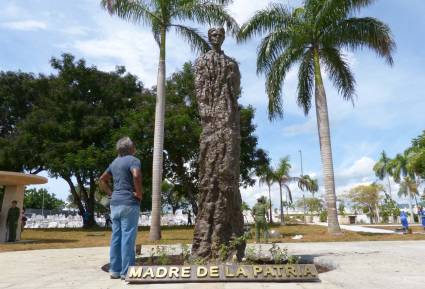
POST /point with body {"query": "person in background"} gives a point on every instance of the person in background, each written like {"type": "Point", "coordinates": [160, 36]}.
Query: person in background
{"type": "Point", "coordinates": [125, 171]}
{"type": "Point", "coordinates": [189, 217]}
{"type": "Point", "coordinates": [404, 221]}
{"type": "Point", "coordinates": [12, 220]}
{"type": "Point", "coordinates": [421, 215]}
{"type": "Point", "coordinates": [260, 218]}
{"type": "Point", "coordinates": [23, 220]}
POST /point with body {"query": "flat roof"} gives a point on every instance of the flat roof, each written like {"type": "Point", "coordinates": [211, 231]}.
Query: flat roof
{"type": "Point", "coordinates": [15, 178]}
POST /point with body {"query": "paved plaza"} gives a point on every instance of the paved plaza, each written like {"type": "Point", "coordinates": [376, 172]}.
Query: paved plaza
{"type": "Point", "coordinates": [359, 265]}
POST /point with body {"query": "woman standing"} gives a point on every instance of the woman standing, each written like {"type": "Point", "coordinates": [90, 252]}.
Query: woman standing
{"type": "Point", "coordinates": [125, 171]}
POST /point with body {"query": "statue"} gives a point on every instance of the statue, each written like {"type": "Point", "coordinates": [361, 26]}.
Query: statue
{"type": "Point", "coordinates": [259, 212]}
{"type": "Point", "coordinates": [219, 219]}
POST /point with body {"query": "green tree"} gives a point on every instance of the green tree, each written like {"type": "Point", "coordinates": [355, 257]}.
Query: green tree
{"type": "Point", "coordinates": [266, 176]}
{"type": "Point", "coordinates": [19, 91]}
{"type": "Point", "coordinates": [307, 183]}
{"type": "Point", "coordinates": [313, 205]}
{"type": "Point", "coordinates": [41, 198]}
{"type": "Point", "coordinates": [281, 175]}
{"type": "Point", "coordinates": [341, 208]}
{"type": "Point", "coordinates": [172, 197]}
{"type": "Point", "coordinates": [389, 208]}
{"type": "Point", "coordinates": [162, 16]}
{"type": "Point", "coordinates": [313, 35]}
{"type": "Point", "coordinates": [70, 129]}
{"type": "Point", "coordinates": [403, 174]}
{"type": "Point", "coordinates": [367, 197]}
{"type": "Point", "coordinates": [409, 189]}
{"type": "Point", "coordinates": [382, 169]}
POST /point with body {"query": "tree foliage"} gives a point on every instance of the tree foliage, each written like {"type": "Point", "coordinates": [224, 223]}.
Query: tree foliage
{"type": "Point", "coordinates": [367, 198]}
{"type": "Point", "coordinates": [33, 198]}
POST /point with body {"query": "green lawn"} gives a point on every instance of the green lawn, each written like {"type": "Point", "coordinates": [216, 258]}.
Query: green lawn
{"type": "Point", "coordinates": [76, 238]}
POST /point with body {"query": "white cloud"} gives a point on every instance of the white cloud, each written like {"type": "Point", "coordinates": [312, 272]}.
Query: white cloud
{"type": "Point", "coordinates": [25, 25]}
{"type": "Point", "coordinates": [361, 169]}
{"type": "Point", "coordinates": [300, 128]}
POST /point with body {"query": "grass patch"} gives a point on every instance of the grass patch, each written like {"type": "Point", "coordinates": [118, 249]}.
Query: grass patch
{"type": "Point", "coordinates": [79, 238]}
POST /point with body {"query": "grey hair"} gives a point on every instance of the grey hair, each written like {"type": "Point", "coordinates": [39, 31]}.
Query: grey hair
{"type": "Point", "coordinates": [125, 146]}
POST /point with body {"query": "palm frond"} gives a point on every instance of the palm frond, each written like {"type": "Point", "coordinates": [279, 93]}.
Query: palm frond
{"type": "Point", "coordinates": [289, 192]}
{"type": "Point", "coordinates": [135, 11]}
{"type": "Point", "coordinates": [331, 11]}
{"type": "Point", "coordinates": [193, 37]}
{"type": "Point", "coordinates": [275, 75]}
{"type": "Point", "coordinates": [339, 72]}
{"type": "Point", "coordinates": [306, 81]}
{"type": "Point", "coordinates": [356, 33]}
{"type": "Point", "coordinates": [266, 20]}
{"type": "Point", "coordinates": [270, 48]}
{"type": "Point", "coordinates": [209, 13]}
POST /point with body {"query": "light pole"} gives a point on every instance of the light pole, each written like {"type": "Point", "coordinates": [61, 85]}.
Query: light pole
{"type": "Point", "coordinates": [302, 174]}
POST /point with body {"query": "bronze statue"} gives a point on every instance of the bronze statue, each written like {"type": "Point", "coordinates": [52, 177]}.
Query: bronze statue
{"type": "Point", "coordinates": [219, 219]}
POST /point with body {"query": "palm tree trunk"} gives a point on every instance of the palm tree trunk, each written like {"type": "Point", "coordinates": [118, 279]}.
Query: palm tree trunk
{"type": "Point", "coordinates": [378, 220]}
{"type": "Point", "coordinates": [325, 147]}
{"type": "Point", "coordinates": [389, 186]}
{"type": "Point", "coordinates": [409, 196]}
{"type": "Point", "coordinates": [282, 219]}
{"type": "Point", "coordinates": [155, 230]}
{"type": "Point", "coordinates": [270, 207]}
{"type": "Point", "coordinates": [287, 204]}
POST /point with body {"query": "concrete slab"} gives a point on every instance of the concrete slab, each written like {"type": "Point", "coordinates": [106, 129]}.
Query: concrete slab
{"type": "Point", "coordinates": [390, 265]}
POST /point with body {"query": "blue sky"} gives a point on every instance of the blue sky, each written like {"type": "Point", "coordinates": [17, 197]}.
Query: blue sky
{"type": "Point", "coordinates": [387, 113]}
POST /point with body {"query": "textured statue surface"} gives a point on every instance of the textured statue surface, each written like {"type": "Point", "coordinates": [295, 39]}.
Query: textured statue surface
{"type": "Point", "coordinates": [219, 219]}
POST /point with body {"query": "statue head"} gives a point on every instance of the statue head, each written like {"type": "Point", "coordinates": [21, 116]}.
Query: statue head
{"type": "Point", "coordinates": [216, 38]}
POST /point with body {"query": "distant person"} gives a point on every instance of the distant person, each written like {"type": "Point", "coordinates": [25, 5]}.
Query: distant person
{"type": "Point", "coordinates": [23, 220]}
{"type": "Point", "coordinates": [12, 220]}
{"type": "Point", "coordinates": [189, 217]}
{"type": "Point", "coordinates": [125, 171]}
{"type": "Point", "coordinates": [404, 221]}
{"type": "Point", "coordinates": [422, 216]}
{"type": "Point", "coordinates": [260, 218]}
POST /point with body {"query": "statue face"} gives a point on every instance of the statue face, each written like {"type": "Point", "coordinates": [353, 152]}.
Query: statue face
{"type": "Point", "coordinates": [216, 38]}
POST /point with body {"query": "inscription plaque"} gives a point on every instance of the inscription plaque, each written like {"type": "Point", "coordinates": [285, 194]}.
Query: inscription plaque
{"type": "Point", "coordinates": [223, 273]}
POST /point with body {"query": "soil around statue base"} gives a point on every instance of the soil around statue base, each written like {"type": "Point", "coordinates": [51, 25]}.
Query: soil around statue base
{"type": "Point", "coordinates": [178, 260]}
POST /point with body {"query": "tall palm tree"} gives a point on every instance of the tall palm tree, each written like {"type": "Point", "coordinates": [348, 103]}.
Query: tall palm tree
{"type": "Point", "coordinates": [281, 175]}
{"type": "Point", "coordinates": [409, 189]}
{"type": "Point", "coordinates": [266, 176]}
{"type": "Point", "coordinates": [163, 16]}
{"type": "Point", "coordinates": [400, 171]}
{"type": "Point", "coordinates": [382, 169]}
{"type": "Point", "coordinates": [306, 183]}
{"type": "Point", "coordinates": [315, 35]}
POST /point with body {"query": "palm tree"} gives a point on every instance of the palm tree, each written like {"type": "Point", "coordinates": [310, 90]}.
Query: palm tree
{"type": "Point", "coordinates": [266, 176]}
{"type": "Point", "coordinates": [315, 35]}
{"type": "Point", "coordinates": [382, 169]}
{"type": "Point", "coordinates": [281, 175]}
{"type": "Point", "coordinates": [306, 183]}
{"type": "Point", "coordinates": [400, 171]}
{"type": "Point", "coordinates": [163, 16]}
{"type": "Point", "coordinates": [409, 189]}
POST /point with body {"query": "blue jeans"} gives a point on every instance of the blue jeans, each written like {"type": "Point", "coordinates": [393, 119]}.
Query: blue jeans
{"type": "Point", "coordinates": [123, 239]}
